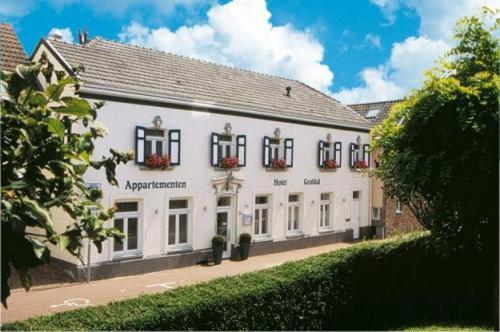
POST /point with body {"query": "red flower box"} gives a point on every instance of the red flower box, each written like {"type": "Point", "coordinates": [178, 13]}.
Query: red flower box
{"type": "Point", "coordinates": [229, 162]}
{"type": "Point", "coordinates": [155, 161]}
{"type": "Point", "coordinates": [330, 164]}
{"type": "Point", "coordinates": [360, 164]}
{"type": "Point", "coordinates": [278, 164]}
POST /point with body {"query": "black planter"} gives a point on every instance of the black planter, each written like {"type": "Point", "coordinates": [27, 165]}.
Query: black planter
{"type": "Point", "coordinates": [244, 250]}
{"type": "Point", "coordinates": [217, 254]}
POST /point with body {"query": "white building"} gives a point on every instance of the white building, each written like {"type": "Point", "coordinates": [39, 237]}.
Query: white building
{"type": "Point", "coordinates": [198, 113]}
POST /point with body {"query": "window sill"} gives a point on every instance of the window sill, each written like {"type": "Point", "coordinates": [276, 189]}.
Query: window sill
{"type": "Point", "coordinates": [294, 234]}
{"type": "Point", "coordinates": [145, 168]}
{"type": "Point", "coordinates": [262, 238]}
{"type": "Point", "coordinates": [221, 169]}
{"type": "Point", "coordinates": [325, 230]}
{"type": "Point", "coordinates": [127, 255]}
{"type": "Point", "coordinates": [323, 169]}
{"type": "Point", "coordinates": [179, 249]}
{"type": "Point", "coordinates": [272, 169]}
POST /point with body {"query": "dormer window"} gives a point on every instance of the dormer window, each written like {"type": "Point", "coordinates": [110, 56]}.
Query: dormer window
{"type": "Point", "coordinates": [157, 148]}
{"type": "Point", "coordinates": [359, 155]}
{"type": "Point", "coordinates": [277, 152]}
{"type": "Point", "coordinates": [228, 150]}
{"type": "Point", "coordinates": [329, 154]}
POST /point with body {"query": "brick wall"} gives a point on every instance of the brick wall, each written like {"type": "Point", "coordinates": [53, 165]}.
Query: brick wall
{"type": "Point", "coordinates": [396, 223]}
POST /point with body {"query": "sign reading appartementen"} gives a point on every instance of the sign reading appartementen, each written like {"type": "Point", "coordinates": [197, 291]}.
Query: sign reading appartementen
{"type": "Point", "coordinates": [138, 186]}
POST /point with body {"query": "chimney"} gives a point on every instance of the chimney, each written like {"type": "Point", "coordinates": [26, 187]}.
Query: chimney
{"type": "Point", "coordinates": [288, 90]}
{"type": "Point", "coordinates": [83, 38]}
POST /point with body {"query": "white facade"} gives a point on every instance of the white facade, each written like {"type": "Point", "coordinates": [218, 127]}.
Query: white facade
{"type": "Point", "coordinates": [199, 177]}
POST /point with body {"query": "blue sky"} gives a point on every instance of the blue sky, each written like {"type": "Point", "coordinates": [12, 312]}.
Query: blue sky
{"type": "Point", "coordinates": [357, 51]}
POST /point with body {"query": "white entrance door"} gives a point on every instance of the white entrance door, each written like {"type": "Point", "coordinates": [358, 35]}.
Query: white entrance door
{"type": "Point", "coordinates": [224, 221]}
{"type": "Point", "coordinates": [355, 203]}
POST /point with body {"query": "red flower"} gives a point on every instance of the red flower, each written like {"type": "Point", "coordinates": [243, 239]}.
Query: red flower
{"type": "Point", "coordinates": [156, 161]}
{"type": "Point", "coordinates": [360, 164]}
{"type": "Point", "coordinates": [330, 164]}
{"type": "Point", "coordinates": [278, 164]}
{"type": "Point", "coordinates": [229, 162]}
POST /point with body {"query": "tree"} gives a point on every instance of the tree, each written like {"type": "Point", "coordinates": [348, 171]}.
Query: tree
{"type": "Point", "coordinates": [43, 162]}
{"type": "Point", "coordinates": [441, 143]}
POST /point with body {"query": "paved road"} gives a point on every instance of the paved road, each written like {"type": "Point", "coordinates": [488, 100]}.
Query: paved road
{"type": "Point", "coordinates": [44, 301]}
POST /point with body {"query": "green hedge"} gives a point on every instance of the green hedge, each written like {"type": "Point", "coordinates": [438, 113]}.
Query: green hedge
{"type": "Point", "coordinates": [372, 285]}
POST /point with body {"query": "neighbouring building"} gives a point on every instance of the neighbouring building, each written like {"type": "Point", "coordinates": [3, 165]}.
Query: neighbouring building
{"type": "Point", "coordinates": [388, 213]}
{"type": "Point", "coordinates": [11, 50]}
{"type": "Point", "coordinates": [218, 150]}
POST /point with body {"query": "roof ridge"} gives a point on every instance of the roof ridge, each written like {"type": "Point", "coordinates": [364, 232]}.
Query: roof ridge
{"type": "Point", "coordinates": [99, 38]}
{"type": "Point", "coordinates": [378, 102]}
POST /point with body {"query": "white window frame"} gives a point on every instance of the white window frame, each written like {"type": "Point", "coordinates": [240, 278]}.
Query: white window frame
{"type": "Point", "coordinates": [154, 139]}
{"type": "Point", "coordinates": [177, 212]}
{"type": "Point", "coordinates": [125, 253]}
{"type": "Point", "coordinates": [322, 215]}
{"type": "Point", "coordinates": [272, 151]}
{"type": "Point", "coordinates": [375, 216]}
{"type": "Point", "coordinates": [291, 213]}
{"type": "Point", "coordinates": [260, 207]}
{"type": "Point", "coordinates": [224, 144]}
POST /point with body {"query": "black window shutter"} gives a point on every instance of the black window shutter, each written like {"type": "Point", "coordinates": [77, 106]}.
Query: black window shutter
{"type": "Point", "coordinates": [266, 151]}
{"type": "Point", "coordinates": [289, 152]}
{"type": "Point", "coordinates": [338, 153]}
{"type": "Point", "coordinates": [174, 146]}
{"type": "Point", "coordinates": [241, 150]}
{"type": "Point", "coordinates": [215, 149]}
{"type": "Point", "coordinates": [366, 154]}
{"type": "Point", "coordinates": [321, 153]}
{"type": "Point", "coordinates": [352, 155]}
{"type": "Point", "coordinates": [140, 138]}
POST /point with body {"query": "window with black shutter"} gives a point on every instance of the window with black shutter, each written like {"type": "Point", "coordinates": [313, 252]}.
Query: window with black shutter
{"type": "Point", "coordinates": [228, 151]}
{"type": "Point", "coordinates": [157, 142]}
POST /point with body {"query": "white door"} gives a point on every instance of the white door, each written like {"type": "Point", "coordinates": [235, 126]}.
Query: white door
{"type": "Point", "coordinates": [355, 203]}
{"type": "Point", "coordinates": [224, 221]}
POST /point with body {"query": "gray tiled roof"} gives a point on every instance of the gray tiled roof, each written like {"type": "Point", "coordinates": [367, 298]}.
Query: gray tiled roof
{"type": "Point", "coordinates": [383, 106]}
{"type": "Point", "coordinates": [131, 68]}
{"type": "Point", "coordinates": [11, 51]}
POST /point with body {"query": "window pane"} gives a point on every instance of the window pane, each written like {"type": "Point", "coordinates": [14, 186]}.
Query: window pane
{"type": "Point", "coordinates": [225, 138]}
{"type": "Point", "coordinates": [327, 154]}
{"type": "Point", "coordinates": [132, 234]}
{"type": "Point", "coordinates": [355, 194]}
{"type": "Point", "coordinates": [261, 200]}
{"type": "Point", "coordinates": [264, 221]}
{"type": "Point", "coordinates": [325, 197]}
{"type": "Point", "coordinates": [127, 206]}
{"type": "Point", "coordinates": [119, 225]}
{"type": "Point", "coordinates": [171, 229]}
{"type": "Point", "coordinates": [321, 213]}
{"type": "Point", "coordinates": [228, 150]}
{"type": "Point", "coordinates": [159, 148]}
{"type": "Point", "coordinates": [178, 204]}
{"type": "Point", "coordinates": [293, 198]}
{"type": "Point", "coordinates": [148, 149]}
{"type": "Point", "coordinates": [327, 215]}
{"type": "Point", "coordinates": [276, 153]}
{"type": "Point", "coordinates": [296, 217]}
{"type": "Point", "coordinates": [224, 201]}
{"type": "Point", "coordinates": [290, 218]}
{"type": "Point", "coordinates": [155, 132]}
{"type": "Point", "coordinates": [257, 221]}
{"type": "Point", "coordinates": [183, 228]}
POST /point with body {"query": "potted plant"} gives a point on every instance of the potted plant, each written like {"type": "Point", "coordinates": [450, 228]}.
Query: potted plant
{"type": "Point", "coordinates": [229, 162]}
{"type": "Point", "coordinates": [278, 164]}
{"type": "Point", "coordinates": [217, 248]}
{"type": "Point", "coordinates": [330, 164]}
{"type": "Point", "coordinates": [360, 165]}
{"type": "Point", "coordinates": [155, 161]}
{"type": "Point", "coordinates": [245, 239]}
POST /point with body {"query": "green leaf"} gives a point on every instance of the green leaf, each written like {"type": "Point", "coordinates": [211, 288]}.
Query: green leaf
{"type": "Point", "coordinates": [54, 91]}
{"type": "Point", "coordinates": [37, 210]}
{"type": "Point", "coordinates": [16, 185]}
{"type": "Point", "coordinates": [57, 127]}
{"type": "Point", "coordinates": [39, 248]}
{"type": "Point", "coordinates": [74, 106]}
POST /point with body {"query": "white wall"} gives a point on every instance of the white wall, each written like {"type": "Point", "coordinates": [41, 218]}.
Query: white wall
{"type": "Point", "coordinates": [196, 127]}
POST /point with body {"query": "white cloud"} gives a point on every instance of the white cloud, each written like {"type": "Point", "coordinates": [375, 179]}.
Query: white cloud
{"type": "Point", "coordinates": [404, 69]}
{"type": "Point", "coordinates": [65, 33]}
{"type": "Point", "coordinates": [240, 34]}
{"type": "Point", "coordinates": [15, 8]}
{"type": "Point", "coordinates": [373, 40]}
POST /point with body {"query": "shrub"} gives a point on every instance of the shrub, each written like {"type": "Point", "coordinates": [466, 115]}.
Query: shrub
{"type": "Point", "coordinates": [217, 241]}
{"type": "Point", "coordinates": [372, 285]}
{"type": "Point", "coordinates": [245, 238]}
